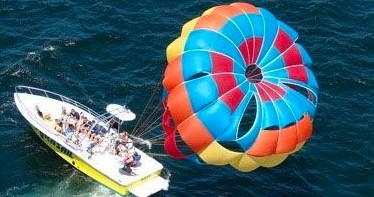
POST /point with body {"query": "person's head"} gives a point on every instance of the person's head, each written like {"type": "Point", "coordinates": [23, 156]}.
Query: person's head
{"type": "Point", "coordinates": [63, 109]}
{"type": "Point", "coordinates": [72, 121]}
{"type": "Point", "coordinates": [123, 136]}
{"type": "Point", "coordinates": [48, 116]}
{"type": "Point", "coordinates": [58, 121]}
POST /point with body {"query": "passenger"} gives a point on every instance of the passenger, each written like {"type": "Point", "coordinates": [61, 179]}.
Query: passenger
{"type": "Point", "coordinates": [40, 114]}
{"type": "Point", "coordinates": [130, 161]}
{"type": "Point", "coordinates": [64, 114]}
{"type": "Point", "coordinates": [125, 149]}
{"type": "Point", "coordinates": [133, 160]}
{"type": "Point", "coordinates": [93, 130]}
{"type": "Point", "coordinates": [74, 114]}
{"type": "Point", "coordinates": [97, 132]}
{"type": "Point", "coordinates": [124, 144]}
{"type": "Point", "coordinates": [100, 134]}
{"type": "Point", "coordinates": [48, 120]}
{"type": "Point", "coordinates": [86, 126]}
{"type": "Point", "coordinates": [81, 115]}
{"type": "Point", "coordinates": [58, 126]}
{"type": "Point", "coordinates": [81, 128]}
{"type": "Point", "coordinates": [81, 125]}
{"type": "Point", "coordinates": [70, 129]}
{"type": "Point", "coordinates": [75, 138]}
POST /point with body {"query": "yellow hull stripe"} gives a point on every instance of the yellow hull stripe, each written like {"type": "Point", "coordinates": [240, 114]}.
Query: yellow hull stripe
{"type": "Point", "coordinates": [87, 169]}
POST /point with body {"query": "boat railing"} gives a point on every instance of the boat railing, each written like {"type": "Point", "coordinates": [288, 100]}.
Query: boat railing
{"type": "Point", "coordinates": [52, 95]}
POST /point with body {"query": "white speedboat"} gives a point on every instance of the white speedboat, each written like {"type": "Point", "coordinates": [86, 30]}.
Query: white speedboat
{"type": "Point", "coordinates": [97, 160]}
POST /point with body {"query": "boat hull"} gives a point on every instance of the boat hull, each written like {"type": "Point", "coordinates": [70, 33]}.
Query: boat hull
{"type": "Point", "coordinates": [82, 166]}
{"type": "Point", "coordinates": [79, 164]}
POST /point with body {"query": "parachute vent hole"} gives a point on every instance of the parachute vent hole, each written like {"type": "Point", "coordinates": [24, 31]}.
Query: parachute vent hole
{"type": "Point", "coordinates": [253, 73]}
{"type": "Point", "coordinates": [303, 91]}
{"type": "Point", "coordinates": [197, 75]}
{"type": "Point", "coordinates": [248, 118]}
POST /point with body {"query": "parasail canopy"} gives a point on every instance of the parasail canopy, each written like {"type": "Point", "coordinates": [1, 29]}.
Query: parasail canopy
{"type": "Point", "coordinates": [238, 89]}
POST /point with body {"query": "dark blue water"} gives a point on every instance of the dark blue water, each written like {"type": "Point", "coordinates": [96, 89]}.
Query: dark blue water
{"type": "Point", "coordinates": [114, 52]}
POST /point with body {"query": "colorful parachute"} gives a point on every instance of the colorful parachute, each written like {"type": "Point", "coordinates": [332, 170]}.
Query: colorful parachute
{"type": "Point", "coordinates": [238, 89]}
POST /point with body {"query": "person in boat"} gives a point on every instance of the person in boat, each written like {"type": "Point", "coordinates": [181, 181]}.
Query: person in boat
{"type": "Point", "coordinates": [70, 128]}
{"type": "Point", "coordinates": [126, 151]}
{"type": "Point", "coordinates": [97, 132]}
{"type": "Point", "coordinates": [64, 114]}
{"type": "Point", "coordinates": [48, 119]}
{"type": "Point", "coordinates": [82, 125]}
{"type": "Point", "coordinates": [74, 114]}
{"type": "Point", "coordinates": [40, 113]}
{"type": "Point", "coordinates": [71, 133]}
{"type": "Point", "coordinates": [58, 125]}
{"type": "Point", "coordinates": [81, 128]}
{"type": "Point", "coordinates": [87, 125]}
{"type": "Point", "coordinates": [123, 144]}
{"type": "Point", "coordinates": [100, 134]}
{"type": "Point", "coordinates": [93, 128]}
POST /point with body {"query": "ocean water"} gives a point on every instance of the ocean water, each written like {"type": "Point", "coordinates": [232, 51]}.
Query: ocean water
{"type": "Point", "coordinates": [101, 52]}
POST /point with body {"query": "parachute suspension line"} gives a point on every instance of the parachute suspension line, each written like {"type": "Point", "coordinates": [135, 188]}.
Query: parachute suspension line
{"type": "Point", "coordinates": [157, 137]}
{"type": "Point", "coordinates": [147, 125]}
{"type": "Point", "coordinates": [156, 88]}
{"type": "Point", "coordinates": [153, 115]}
{"type": "Point", "coordinates": [143, 121]}
{"type": "Point", "coordinates": [158, 140]}
{"type": "Point", "coordinates": [150, 127]}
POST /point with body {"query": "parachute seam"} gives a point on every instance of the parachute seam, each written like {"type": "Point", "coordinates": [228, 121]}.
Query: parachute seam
{"type": "Point", "coordinates": [241, 32]}
{"type": "Point", "coordinates": [277, 114]}
{"type": "Point", "coordinates": [206, 50]}
{"type": "Point", "coordinates": [283, 68]}
{"type": "Point", "coordinates": [228, 40]}
{"type": "Point", "coordinates": [272, 45]}
{"type": "Point", "coordinates": [262, 43]}
{"type": "Point", "coordinates": [217, 97]}
{"type": "Point", "coordinates": [253, 35]}
{"type": "Point", "coordinates": [280, 55]}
